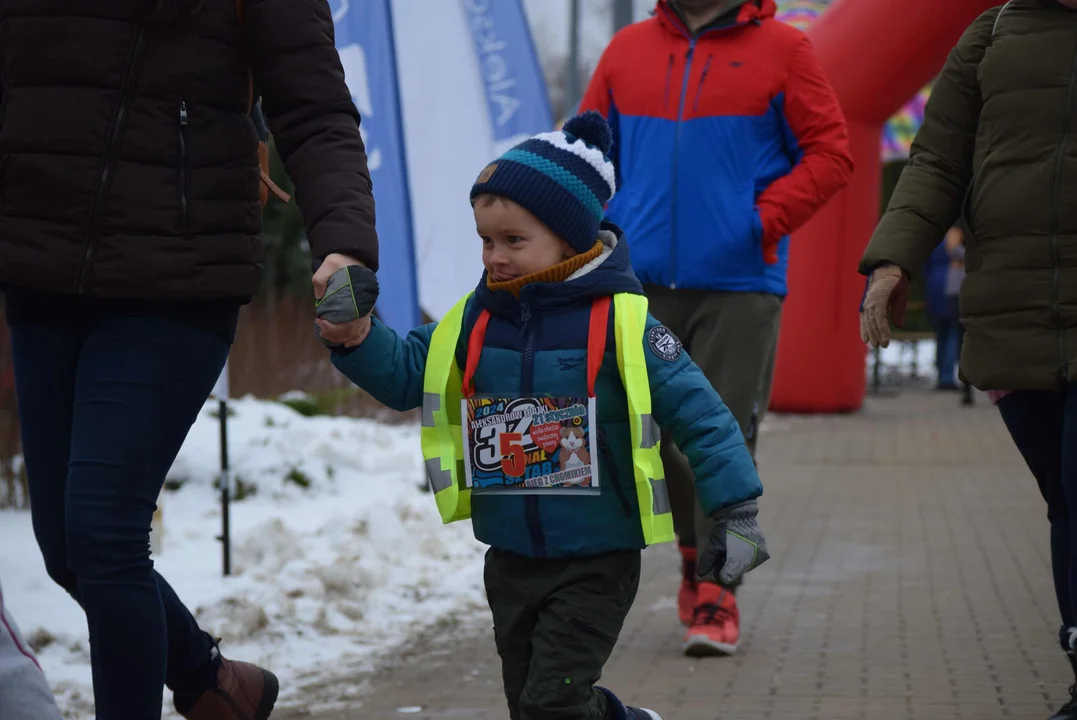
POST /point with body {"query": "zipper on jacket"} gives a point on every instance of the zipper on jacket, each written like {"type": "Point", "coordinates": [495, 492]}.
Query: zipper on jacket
{"type": "Point", "coordinates": [669, 80]}
{"type": "Point", "coordinates": [692, 39]}
{"type": "Point", "coordinates": [607, 458]}
{"type": "Point", "coordinates": [525, 319]}
{"type": "Point", "coordinates": [527, 382]}
{"type": "Point", "coordinates": [182, 164]}
{"type": "Point", "coordinates": [104, 179]}
{"type": "Point", "coordinates": [702, 78]}
{"type": "Point", "coordinates": [1056, 191]}
{"type": "Point", "coordinates": [673, 184]}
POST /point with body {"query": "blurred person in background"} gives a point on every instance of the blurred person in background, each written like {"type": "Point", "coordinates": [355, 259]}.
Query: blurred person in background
{"type": "Point", "coordinates": [727, 138]}
{"type": "Point", "coordinates": [936, 271]}
{"type": "Point", "coordinates": [997, 147]}
{"type": "Point", "coordinates": [130, 220]}
{"type": "Point", "coordinates": [943, 275]}
{"type": "Point", "coordinates": [955, 277]}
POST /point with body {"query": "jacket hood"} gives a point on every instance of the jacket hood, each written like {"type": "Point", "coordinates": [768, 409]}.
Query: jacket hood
{"type": "Point", "coordinates": [608, 274]}
{"type": "Point", "coordinates": [749, 11]}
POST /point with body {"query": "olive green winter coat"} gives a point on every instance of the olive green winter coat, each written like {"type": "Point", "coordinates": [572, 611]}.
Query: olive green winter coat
{"type": "Point", "coordinates": [998, 145]}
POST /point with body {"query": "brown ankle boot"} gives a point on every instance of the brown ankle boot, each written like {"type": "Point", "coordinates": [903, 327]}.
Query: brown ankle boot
{"type": "Point", "coordinates": [244, 692]}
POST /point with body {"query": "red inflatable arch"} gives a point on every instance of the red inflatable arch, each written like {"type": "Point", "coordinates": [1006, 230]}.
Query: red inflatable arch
{"type": "Point", "coordinates": [878, 54]}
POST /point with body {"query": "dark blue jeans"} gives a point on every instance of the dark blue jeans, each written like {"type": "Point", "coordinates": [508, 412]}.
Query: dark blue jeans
{"type": "Point", "coordinates": [104, 409]}
{"type": "Point", "coordinates": [947, 348]}
{"type": "Point", "coordinates": [1043, 424]}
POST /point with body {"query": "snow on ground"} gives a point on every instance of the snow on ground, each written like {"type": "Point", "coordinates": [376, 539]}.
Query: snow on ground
{"type": "Point", "coordinates": [337, 555]}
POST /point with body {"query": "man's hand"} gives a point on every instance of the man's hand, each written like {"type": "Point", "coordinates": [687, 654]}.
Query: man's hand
{"type": "Point", "coordinates": [343, 324]}
{"type": "Point", "coordinates": [770, 252]}
{"type": "Point", "coordinates": [885, 301]}
{"type": "Point", "coordinates": [348, 335]}
{"type": "Point", "coordinates": [768, 241]}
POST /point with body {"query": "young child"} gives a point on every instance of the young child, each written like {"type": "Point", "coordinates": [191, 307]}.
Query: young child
{"type": "Point", "coordinates": [565, 380]}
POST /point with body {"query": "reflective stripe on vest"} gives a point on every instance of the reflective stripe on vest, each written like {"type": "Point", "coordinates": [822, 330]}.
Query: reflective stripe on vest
{"type": "Point", "coordinates": [629, 324]}
{"type": "Point", "coordinates": [442, 434]}
{"type": "Point", "coordinates": [443, 443]}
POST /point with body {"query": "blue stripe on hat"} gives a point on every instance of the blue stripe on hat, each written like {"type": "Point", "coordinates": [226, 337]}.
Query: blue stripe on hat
{"type": "Point", "coordinates": [572, 162]}
{"type": "Point", "coordinates": [558, 174]}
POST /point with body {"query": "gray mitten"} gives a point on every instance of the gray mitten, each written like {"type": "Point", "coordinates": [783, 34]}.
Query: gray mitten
{"type": "Point", "coordinates": [350, 294]}
{"type": "Point", "coordinates": [736, 546]}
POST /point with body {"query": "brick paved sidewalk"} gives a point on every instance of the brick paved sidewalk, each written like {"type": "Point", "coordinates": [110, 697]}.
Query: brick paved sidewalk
{"type": "Point", "coordinates": [910, 580]}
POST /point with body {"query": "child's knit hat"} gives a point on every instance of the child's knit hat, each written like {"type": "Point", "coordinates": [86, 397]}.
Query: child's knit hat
{"type": "Point", "coordinates": [563, 178]}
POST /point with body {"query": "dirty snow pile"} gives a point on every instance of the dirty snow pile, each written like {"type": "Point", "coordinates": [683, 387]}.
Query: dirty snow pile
{"type": "Point", "coordinates": [337, 555]}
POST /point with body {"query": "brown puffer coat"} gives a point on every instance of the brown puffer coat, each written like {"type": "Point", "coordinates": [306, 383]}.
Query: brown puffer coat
{"type": "Point", "coordinates": [998, 142]}
{"type": "Point", "coordinates": [128, 164]}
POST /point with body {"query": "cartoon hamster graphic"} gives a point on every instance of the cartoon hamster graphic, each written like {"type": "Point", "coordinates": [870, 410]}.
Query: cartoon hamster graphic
{"type": "Point", "coordinates": [573, 454]}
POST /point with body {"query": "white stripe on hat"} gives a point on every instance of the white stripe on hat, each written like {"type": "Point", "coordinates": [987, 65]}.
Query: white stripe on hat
{"type": "Point", "coordinates": [592, 155]}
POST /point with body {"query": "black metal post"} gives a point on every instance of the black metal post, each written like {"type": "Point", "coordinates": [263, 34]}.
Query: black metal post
{"type": "Point", "coordinates": [573, 86]}
{"type": "Point", "coordinates": [226, 490]}
{"type": "Point", "coordinates": [622, 14]}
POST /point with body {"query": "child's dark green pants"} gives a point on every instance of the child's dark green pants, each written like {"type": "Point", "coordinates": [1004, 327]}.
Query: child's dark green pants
{"type": "Point", "coordinates": [556, 621]}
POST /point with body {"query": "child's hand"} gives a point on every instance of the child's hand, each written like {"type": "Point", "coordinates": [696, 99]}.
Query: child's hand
{"type": "Point", "coordinates": [736, 546]}
{"type": "Point", "coordinates": [343, 310]}
{"type": "Point", "coordinates": [349, 335]}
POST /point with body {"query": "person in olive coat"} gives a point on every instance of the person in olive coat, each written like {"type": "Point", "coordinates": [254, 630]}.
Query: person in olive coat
{"type": "Point", "coordinates": [999, 146]}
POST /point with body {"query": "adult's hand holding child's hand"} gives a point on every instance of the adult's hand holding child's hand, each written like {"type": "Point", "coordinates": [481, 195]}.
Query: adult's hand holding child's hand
{"type": "Point", "coordinates": [345, 292]}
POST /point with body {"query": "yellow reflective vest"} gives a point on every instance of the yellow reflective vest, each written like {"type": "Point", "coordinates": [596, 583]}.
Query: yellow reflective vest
{"type": "Point", "coordinates": [442, 433]}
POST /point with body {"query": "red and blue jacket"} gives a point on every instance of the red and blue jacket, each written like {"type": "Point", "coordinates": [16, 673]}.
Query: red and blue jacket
{"type": "Point", "coordinates": [725, 142]}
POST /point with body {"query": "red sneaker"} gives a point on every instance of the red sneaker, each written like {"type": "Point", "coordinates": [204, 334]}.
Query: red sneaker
{"type": "Point", "coordinates": [715, 626]}
{"type": "Point", "coordinates": [686, 595]}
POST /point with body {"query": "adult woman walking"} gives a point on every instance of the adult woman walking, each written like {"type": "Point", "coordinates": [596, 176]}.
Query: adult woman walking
{"type": "Point", "coordinates": [129, 239]}
{"type": "Point", "coordinates": [998, 145]}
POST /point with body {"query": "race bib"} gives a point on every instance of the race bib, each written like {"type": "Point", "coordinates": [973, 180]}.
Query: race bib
{"type": "Point", "coordinates": [532, 446]}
